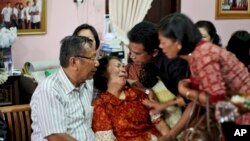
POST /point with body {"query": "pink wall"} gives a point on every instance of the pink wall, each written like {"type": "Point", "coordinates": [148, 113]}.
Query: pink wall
{"type": "Point", "coordinates": [63, 17]}
{"type": "Point", "coordinates": [205, 10]}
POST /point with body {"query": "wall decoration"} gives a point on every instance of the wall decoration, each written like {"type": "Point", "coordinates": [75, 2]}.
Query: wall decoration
{"type": "Point", "coordinates": [232, 9]}
{"type": "Point", "coordinates": [29, 16]}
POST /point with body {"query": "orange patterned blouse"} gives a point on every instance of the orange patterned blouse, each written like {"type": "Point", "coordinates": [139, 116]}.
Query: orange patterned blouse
{"type": "Point", "coordinates": [129, 119]}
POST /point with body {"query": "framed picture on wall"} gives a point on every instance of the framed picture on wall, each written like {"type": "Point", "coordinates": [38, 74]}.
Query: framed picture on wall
{"type": "Point", "coordinates": [232, 9]}
{"type": "Point", "coordinates": [28, 16]}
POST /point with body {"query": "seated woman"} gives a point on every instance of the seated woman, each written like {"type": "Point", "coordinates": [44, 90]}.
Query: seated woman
{"type": "Point", "coordinates": [118, 112]}
{"type": "Point", "coordinates": [239, 45]}
{"type": "Point", "coordinates": [208, 32]}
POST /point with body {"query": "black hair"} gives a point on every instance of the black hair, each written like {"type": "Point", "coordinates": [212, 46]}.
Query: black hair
{"type": "Point", "coordinates": [148, 75]}
{"type": "Point", "coordinates": [100, 81]}
{"type": "Point", "coordinates": [92, 29]}
{"type": "Point", "coordinates": [145, 33]}
{"type": "Point", "coordinates": [209, 26]}
{"type": "Point", "coordinates": [239, 44]}
{"type": "Point", "coordinates": [71, 46]}
{"type": "Point", "coordinates": [179, 27]}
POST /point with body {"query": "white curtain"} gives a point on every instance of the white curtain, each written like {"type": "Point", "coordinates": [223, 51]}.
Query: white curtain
{"type": "Point", "coordinates": [125, 14]}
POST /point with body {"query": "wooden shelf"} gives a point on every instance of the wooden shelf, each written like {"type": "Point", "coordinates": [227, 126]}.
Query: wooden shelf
{"type": "Point", "coordinates": [9, 91]}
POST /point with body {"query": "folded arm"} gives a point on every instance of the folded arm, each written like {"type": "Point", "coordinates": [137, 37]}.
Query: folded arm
{"type": "Point", "coordinates": [60, 137]}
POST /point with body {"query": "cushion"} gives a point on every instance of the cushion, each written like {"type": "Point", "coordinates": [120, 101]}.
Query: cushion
{"type": "Point", "coordinates": [48, 72]}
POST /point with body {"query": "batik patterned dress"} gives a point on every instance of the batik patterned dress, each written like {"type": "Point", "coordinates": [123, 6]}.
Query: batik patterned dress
{"type": "Point", "coordinates": [217, 71]}
{"type": "Point", "coordinates": [123, 120]}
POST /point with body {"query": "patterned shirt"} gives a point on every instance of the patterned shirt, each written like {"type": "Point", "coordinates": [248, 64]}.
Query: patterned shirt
{"type": "Point", "coordinates": [128, 119]}
{"type": "Point", "coordinates": [57, 106]}
{"type": "Point", "coordinates": [218, 71]}
{"type": "Point", "coordinates": [133, 71]}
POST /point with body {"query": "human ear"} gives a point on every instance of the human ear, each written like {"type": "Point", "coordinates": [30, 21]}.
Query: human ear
{"type": "Point", "coordinates": [179, 46]}
{"type": "Point", "coordinates": [72, 62]}
{"type": "Point", "coordinates": [155, 53]}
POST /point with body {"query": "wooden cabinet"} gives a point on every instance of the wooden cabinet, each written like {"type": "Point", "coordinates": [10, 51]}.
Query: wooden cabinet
{"type": "Point", "coordinates": [9, 91]}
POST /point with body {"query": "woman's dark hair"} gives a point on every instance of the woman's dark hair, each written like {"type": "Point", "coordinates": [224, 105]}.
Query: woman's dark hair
{"type": "Point", "coordinates": [146, 34]}
{"type": "Point", "coordinates": [100, 81]}
{"type": "Point", "coordinates": [209, 26]}
{"type": "Point", "coordinates": [92, 29]}
{"type": "Point", "coordinates": [179, 27]}
{"type": "Point", "coordinates": [239, 44]}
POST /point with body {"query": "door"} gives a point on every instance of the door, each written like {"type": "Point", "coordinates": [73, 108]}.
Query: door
{"type": "Point", "coordinates": [161, 8]}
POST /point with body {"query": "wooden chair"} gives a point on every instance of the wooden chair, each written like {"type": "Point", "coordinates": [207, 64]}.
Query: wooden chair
{"type": "Point", "coordinates": [18, 121]}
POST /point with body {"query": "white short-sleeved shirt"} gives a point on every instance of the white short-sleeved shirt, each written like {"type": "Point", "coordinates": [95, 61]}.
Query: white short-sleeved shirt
{"type": "Point", "coordinates": [26, 13]}
{"type": "Point", "coordinates": [6, 12]}
{"type": "Point", "coordinates": [35, 18]}
{"type": "Point", "coordinates": [22, 14]}
{"type": "Point", "coordinates": [15, 12]}
{"type": "Point", "coordinates": [59, 107]}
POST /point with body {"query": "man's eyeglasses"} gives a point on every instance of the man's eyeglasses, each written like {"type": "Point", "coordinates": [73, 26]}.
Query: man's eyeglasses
{"type": "Point", "coordinates": [94, 58]}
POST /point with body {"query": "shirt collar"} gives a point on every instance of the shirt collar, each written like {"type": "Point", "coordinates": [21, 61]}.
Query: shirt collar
{"type": "Point", "coordinates": [68, 86]}
{"type": "Point", "coordinates": [130, 96]}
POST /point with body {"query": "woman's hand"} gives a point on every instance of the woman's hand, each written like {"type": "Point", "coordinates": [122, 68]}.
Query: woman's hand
{"type": "Point", "coordinates": [155, 107]}
{"type": "Point", "coordinates": [151, 94]}
{"type": "Point", "coordinates": [180, 101]}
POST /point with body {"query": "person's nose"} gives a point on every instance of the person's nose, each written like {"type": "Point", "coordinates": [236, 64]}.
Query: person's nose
{"type": "Point", "coordinates": [97, 63]}
{"type": "Point", "coordinates": [123, 70]}
{"type": "Point", "coordinates": [132, 56]}
{"type": "Point", "coordinates": [160, 46]}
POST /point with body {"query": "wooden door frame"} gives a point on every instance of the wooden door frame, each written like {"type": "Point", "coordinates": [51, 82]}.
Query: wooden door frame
{"type": "Point", "coordinates": [178, 6]}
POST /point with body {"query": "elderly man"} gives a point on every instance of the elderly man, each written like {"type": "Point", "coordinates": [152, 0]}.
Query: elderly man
{"type": "Point", "coordinates": [61, 105]}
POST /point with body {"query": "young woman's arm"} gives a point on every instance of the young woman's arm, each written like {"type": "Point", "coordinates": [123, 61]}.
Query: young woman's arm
{"type": "Point", "coordinates": [191, 94]}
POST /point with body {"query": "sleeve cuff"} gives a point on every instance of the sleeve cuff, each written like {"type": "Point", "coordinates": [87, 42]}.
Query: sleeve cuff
{"type": "Point", "coordinates": [216, 98]}
{"type": "Point", "coordinates": [105, 136]}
